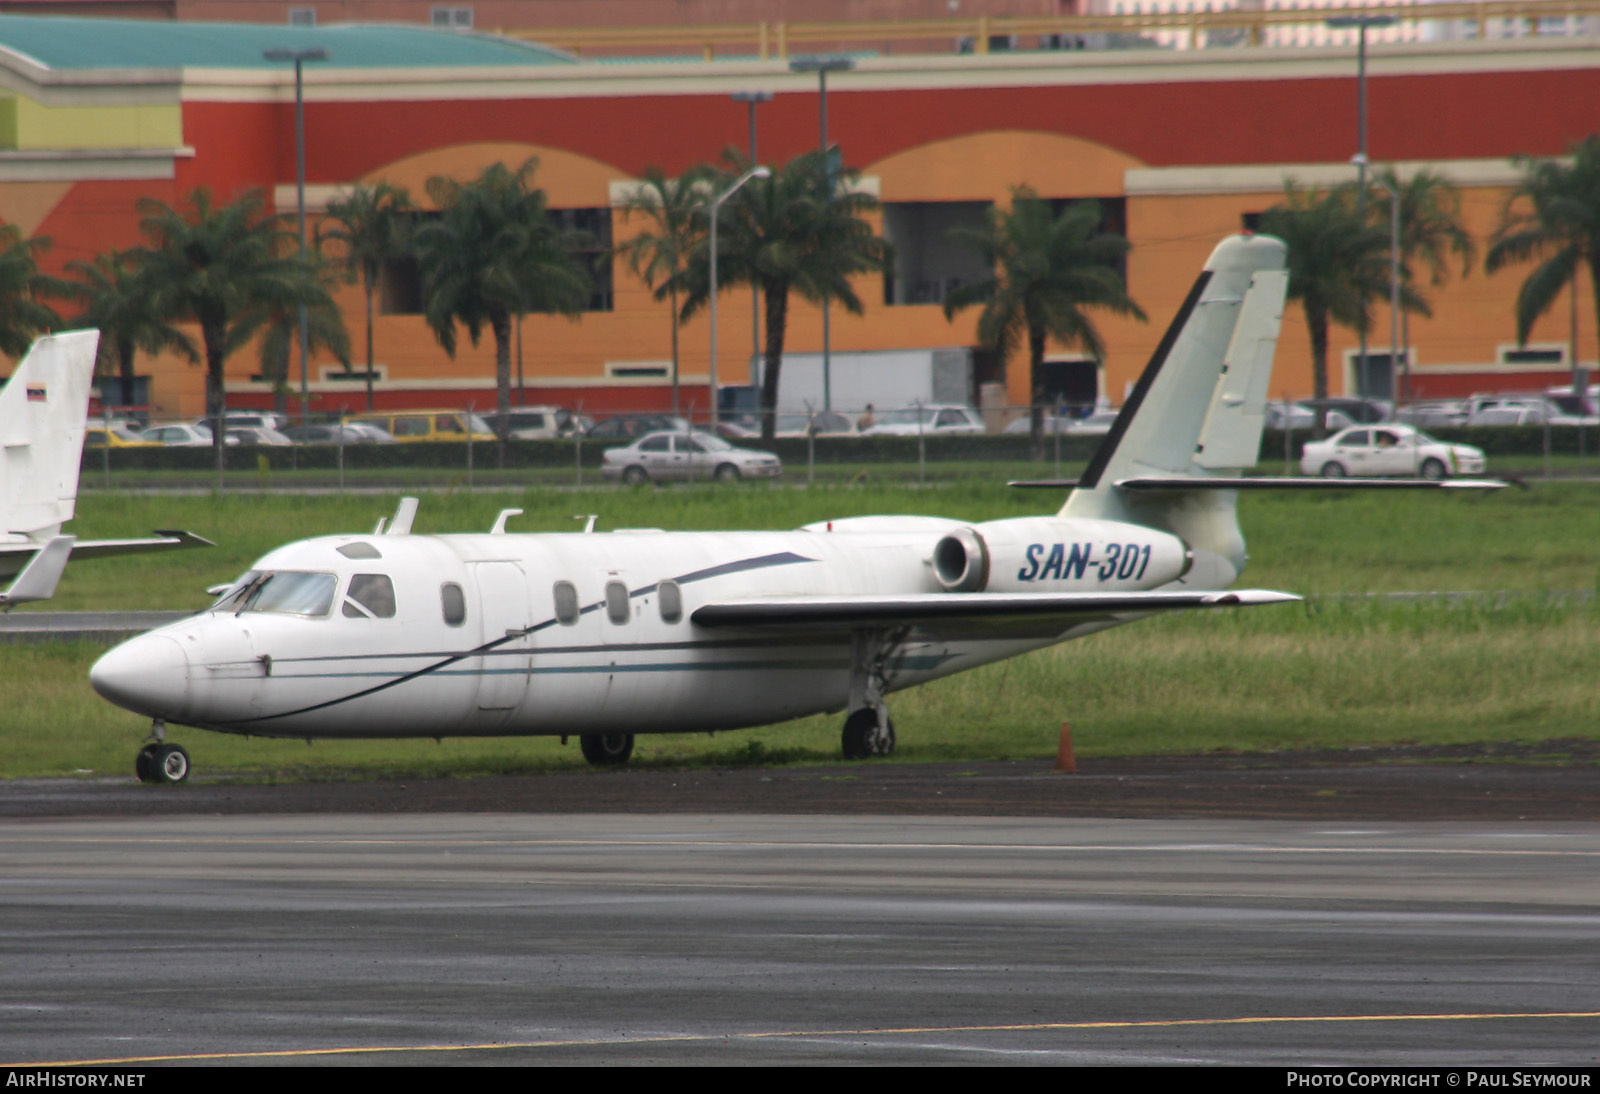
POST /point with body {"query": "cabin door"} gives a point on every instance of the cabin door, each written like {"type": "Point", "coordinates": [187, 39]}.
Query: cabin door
{"type": "Point", "coordinates": [503, 607]}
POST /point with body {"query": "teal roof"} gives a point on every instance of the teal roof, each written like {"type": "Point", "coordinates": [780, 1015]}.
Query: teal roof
{"type": "Point", "coordinates": [60, 42]}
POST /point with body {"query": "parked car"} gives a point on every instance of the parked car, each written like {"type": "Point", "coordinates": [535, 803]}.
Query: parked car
{"type": "Point", "coordinates": [114, 436]}
{"type": "Point", "coordinates": [256, 434]}
{"type": "Point", "coordinates": [667, 456]}
{"type": "Point", "coordinates": [1390, 450]}
{"type": "Point", "coordinates": [933, 418]}
{"type": "Point", "coordinates": [1097, 424]}
{"type": "Point", "coordinates": [1303, 415]}
{"type": "Point", "coordinates": [256, 419]}
{"type": "Point", "coordinates": [1517, 410]}
{"type": "Point", "coordinates": [628, 426]}
{"type": "Point", "coordinates": [1433, 413]}
{"type": "Point", "coordinates": [339, 433]}
{"type": "Point", "coordinates": [538, 423]}
{"type": "Point", "coordinates": [427, 425]}
{"type": "Point", "coordinates": [181, 435]}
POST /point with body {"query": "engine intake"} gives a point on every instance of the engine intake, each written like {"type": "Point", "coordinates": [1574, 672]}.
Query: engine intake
{"type": "Point", "coordinates": [961, 562]}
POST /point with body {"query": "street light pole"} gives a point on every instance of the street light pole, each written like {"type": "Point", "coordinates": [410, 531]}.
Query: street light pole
{"type": "Point", "coordinates": [300, 57]}
{"type": "Point", "coordinates": [1394, 289]}
{"type": "Point", "coordinates": [751, 99]}
{"type": "Point", "coordinates": [716, 214]}
{"type": "Point", "coordinates": [1360, 23]}
{"type": "Point", "coordinates": [822, 66]}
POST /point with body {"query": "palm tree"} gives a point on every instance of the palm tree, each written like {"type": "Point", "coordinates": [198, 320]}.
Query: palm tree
{"type": "Point", "coordinates": [228, 269]}
{"type": "Point", "coordinates": [374, 225]}
{"type": "Point", "coordinates": [796, 231]}
{"type": "Point", "coordinates": [660, 252]}
{"type": "Point", "coordinates": [1047, 270]}
{"type": "Point", "coordinates": [1554, 215]}
{"type": "Point", "coordinates": [1431, 233]}
{"type": "Point", "coordinates": [116, 299]}
{"type": "Point", "coordinates": [1338, 263]}
{"type": "Point", "coordinates": [492, 254]}
{"type": "Point", "coordinates": [23, 289]}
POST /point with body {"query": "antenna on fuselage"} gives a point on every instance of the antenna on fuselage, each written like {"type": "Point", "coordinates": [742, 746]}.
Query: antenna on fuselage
{"type": "Point", "coordinates": [404, 514]}
{"type": "Point", "coordinates": [588, 520]}
{"type": "Point", "coordinates": [499, 528]}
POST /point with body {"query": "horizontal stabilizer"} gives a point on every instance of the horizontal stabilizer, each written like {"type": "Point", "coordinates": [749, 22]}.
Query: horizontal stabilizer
{"type": "Point", "coordinates": [39, 577]}
{"type": "Point", "coordinates": [168, 539]}
{"type": "Point", "coordinates": [1287, 482]}
{"type": "Point", "coordinates": [997, 613]}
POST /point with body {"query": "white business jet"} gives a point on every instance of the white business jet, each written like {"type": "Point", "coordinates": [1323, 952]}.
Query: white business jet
{"type": "Point", "coordinates": [605, 636]}
{"type": "Point", "coordinates": [43, 415]}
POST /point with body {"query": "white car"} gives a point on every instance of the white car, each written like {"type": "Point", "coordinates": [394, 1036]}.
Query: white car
{"type": "Point", "coordinates": [1389, 450]}
{"type": "Point", "coordinates": [1097, 424]}
{"type": "Point", "coordinates": [182, 435]}
{"type": "Point", "coordinates": [659, 457]}
{"type": "Point", "coordinates": [933, 418]}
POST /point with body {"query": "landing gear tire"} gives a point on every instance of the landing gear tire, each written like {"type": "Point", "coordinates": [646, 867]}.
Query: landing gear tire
{"type": "Point", "coordinates": [1433, 470]}
{"type": "Point", "coordinates": [635, 476]}
{"type": "Point", "coordinates": [727, 473]}
{"type": "Point", "coordinates": [1332, 470]}
{"type": "Point", "coordinates": [162, 764]}
{"type": "Point", "coordinates": [863, 739]}
{"type": "Point", "coordinates": [606, 749]}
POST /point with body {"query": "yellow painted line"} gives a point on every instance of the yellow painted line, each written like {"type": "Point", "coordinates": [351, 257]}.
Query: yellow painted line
{"type": "Point", "coordinates": [689, 1038]}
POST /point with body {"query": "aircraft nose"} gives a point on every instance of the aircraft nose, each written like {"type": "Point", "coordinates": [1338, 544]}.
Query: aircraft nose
{"type": "Point", "coordinates": [147, 675]}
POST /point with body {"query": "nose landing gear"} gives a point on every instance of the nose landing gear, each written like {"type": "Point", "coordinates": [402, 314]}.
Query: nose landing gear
{"type": "Point", "coordinates": [159, 762]}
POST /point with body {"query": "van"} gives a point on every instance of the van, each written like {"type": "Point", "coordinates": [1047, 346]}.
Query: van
{"type": "Point", "coordinates": [427, 425]}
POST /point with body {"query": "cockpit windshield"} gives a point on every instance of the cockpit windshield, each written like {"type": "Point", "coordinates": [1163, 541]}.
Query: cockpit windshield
{"type": "Point", "coordinates": [286, 591]}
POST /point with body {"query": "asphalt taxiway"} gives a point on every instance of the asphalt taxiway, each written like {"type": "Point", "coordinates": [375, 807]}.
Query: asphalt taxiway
{"type": "Point", "coordinates": [684, 938]}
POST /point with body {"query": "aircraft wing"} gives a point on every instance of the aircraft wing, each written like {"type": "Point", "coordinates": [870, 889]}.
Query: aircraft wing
{"type": "Point", "coordinates": [14, 556]}
{"type": "Point", "coordinates": [997, 615]}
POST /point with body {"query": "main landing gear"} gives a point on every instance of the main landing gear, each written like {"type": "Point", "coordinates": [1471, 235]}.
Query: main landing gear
{"type": "Point", "coordinates": [159, 762]}
{"type": "Point", "coordinates": [606, 749]}
{"type": "Point", "coordinates": [869, 731]}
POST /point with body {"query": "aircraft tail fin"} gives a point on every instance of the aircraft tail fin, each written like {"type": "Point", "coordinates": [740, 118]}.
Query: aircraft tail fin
{"type": "Point", "coordinates": [44, 410]}
{"type": "Point", "coordinates": [1197, 411]}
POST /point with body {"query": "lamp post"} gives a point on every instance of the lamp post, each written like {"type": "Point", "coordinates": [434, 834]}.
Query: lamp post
{"type": "Point", "coordinates": [716, 213]}
{"type": "Point", "coordinates": [1361, 23]}
{"type": "Point", "coordinates": [751, 99]}
{"type": "Point", "coordinates": [300, 57]}
{"type": "Point", "coordinates": [1394, 289]}
{"type": "Point", "coordinates": [822, 66]}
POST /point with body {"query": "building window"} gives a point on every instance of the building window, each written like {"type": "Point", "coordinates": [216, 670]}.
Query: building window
{"type": "Point", "coordinates": [588, 233]}
{"type": "Point", "coordinates": [1536, 355]}
{"type": "Point", "coordinates": [453, 18]}
{"type": "Point", "coordinates": [927, 264]}
{"type": "Point", "coordinates": [302, 17]}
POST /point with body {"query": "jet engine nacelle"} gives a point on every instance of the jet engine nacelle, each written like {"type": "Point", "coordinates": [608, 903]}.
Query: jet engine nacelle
{"type": "Point", "coordinates": [1040, 554]}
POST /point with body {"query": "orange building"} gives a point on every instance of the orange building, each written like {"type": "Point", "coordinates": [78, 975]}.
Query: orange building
{"type": "Point", "coordinates": [1180, 147]}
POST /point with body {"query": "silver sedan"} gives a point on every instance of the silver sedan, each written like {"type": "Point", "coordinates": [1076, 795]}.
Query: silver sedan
{"type": "Point", "coordinates": [662, 457]}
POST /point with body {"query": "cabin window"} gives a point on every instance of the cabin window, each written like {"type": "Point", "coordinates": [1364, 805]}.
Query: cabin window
{"type": "Point", "coordinates": [370, 595]}
{"type": "Point", "coordinates": [617, 602]}
{"type": "Point", "coordinates": [671, 601]}
{"type": "Point", "coordinates": [453, 603]}
{"type": "Point", "coordinates": [566, 597]}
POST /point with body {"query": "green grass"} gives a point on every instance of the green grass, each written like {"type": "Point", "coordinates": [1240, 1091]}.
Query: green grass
{"type": "Point", "coordinates": [1342, 671]}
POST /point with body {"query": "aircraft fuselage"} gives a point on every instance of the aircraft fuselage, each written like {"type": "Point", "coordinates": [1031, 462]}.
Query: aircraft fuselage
{"type": "Point", "coordinates": [506, 634]}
